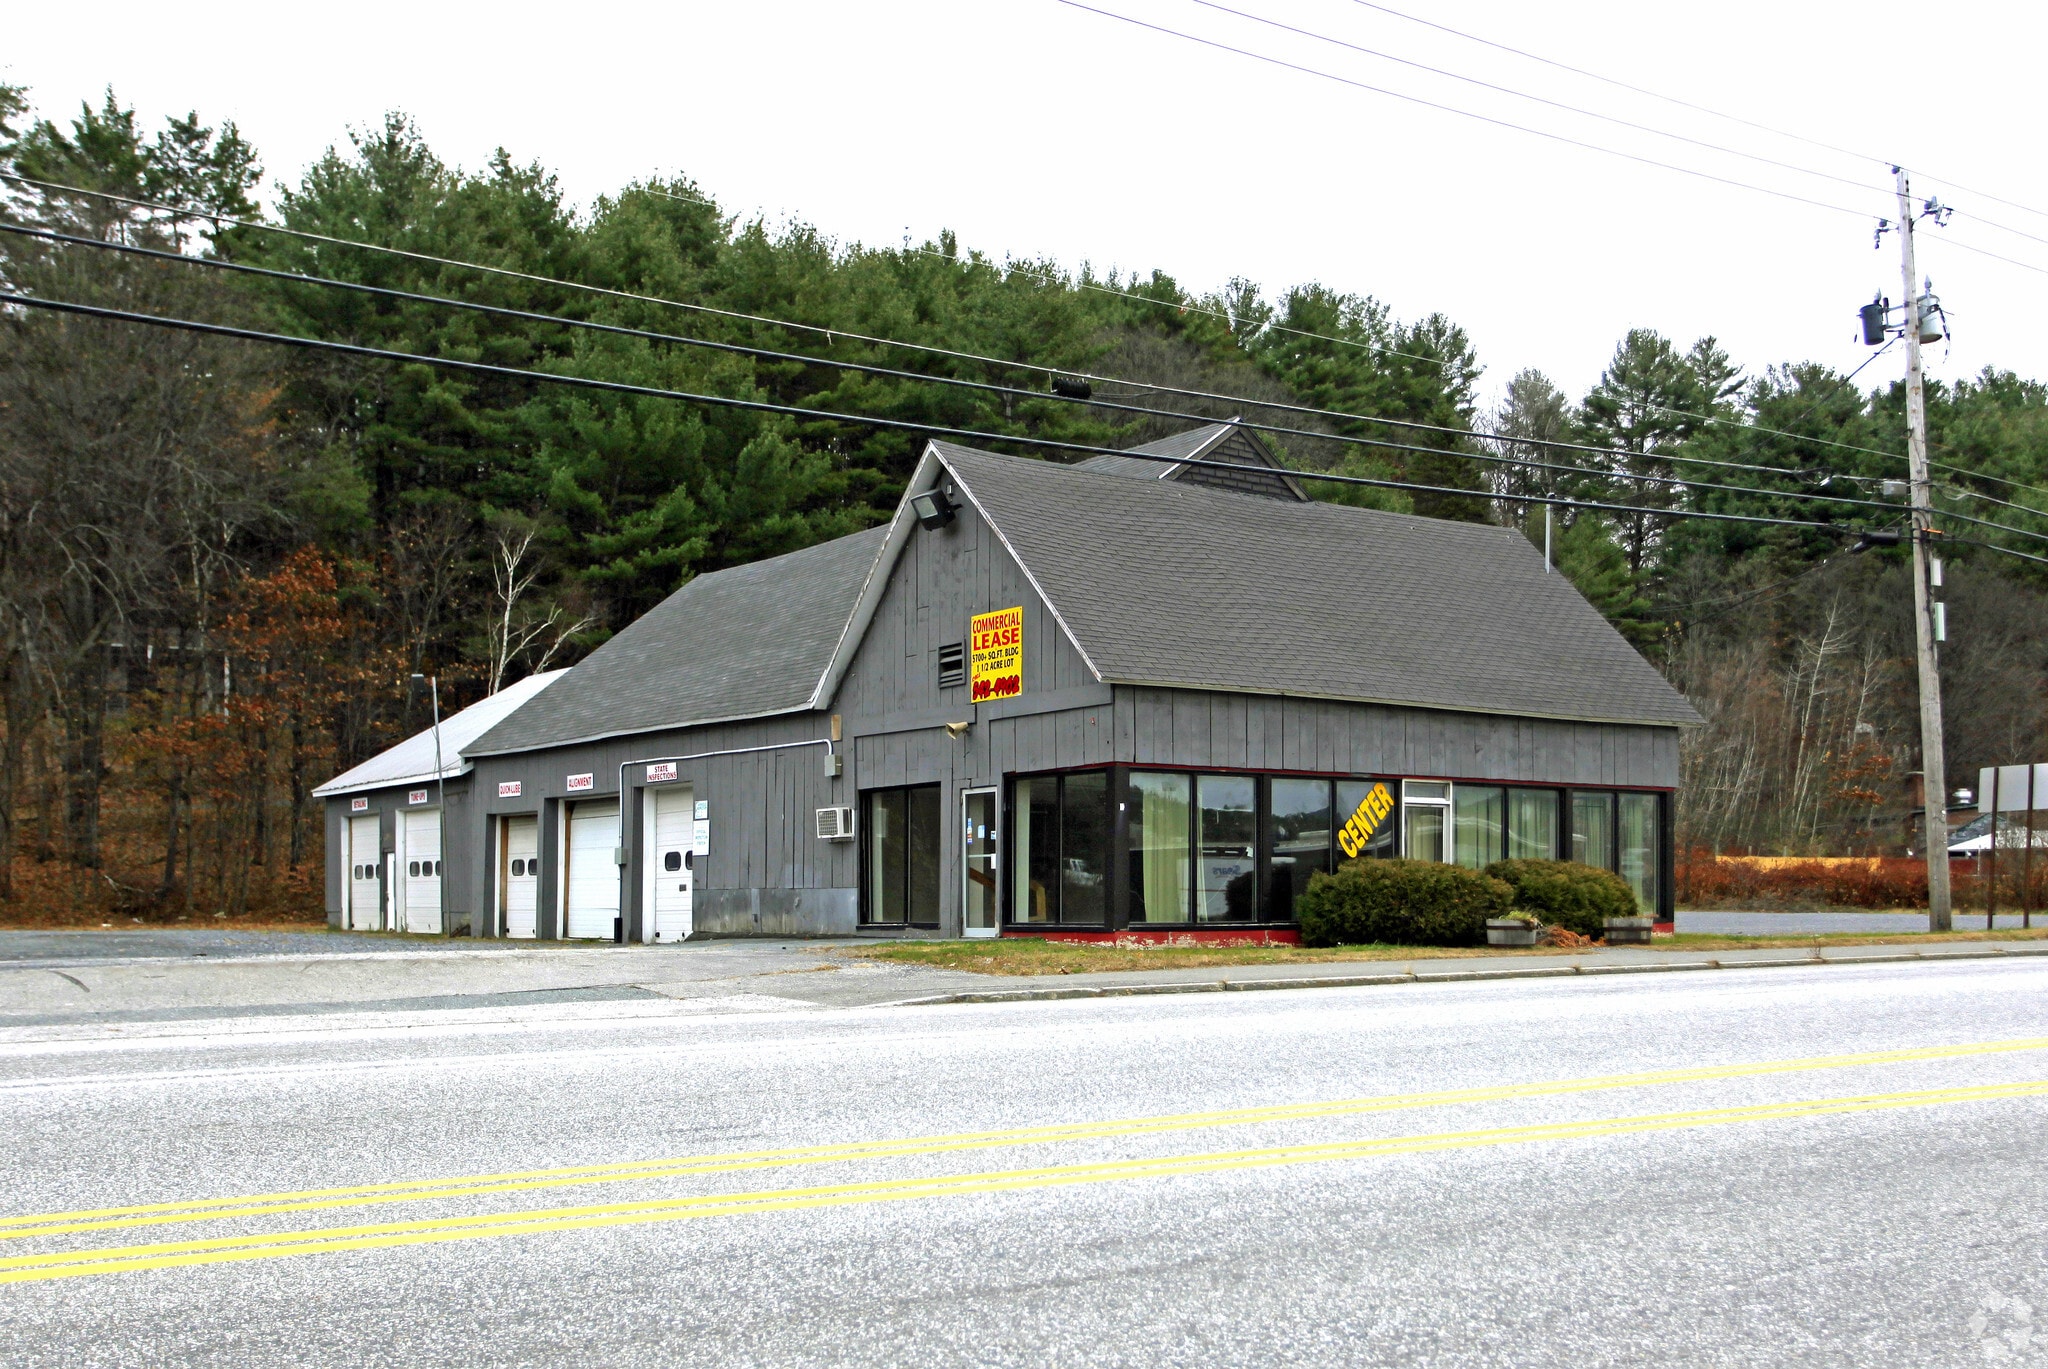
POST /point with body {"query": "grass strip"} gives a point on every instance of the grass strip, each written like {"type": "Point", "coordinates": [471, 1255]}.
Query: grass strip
{"type": "Point", "coordinates": [1030, 955]}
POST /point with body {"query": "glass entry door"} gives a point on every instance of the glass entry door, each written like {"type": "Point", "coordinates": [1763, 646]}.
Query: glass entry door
{"type": "Point", "coordinates": [980, 914]}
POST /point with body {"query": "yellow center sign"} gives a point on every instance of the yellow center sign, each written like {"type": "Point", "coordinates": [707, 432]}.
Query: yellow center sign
{"type": "Point", "coordinates": [996, 654]}
{"type": "Point", "coordinates": [1358, 830]}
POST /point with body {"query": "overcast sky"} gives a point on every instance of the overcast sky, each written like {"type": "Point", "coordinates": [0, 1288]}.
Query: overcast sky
{"type": "Point", "coordinates": [1036, 128]}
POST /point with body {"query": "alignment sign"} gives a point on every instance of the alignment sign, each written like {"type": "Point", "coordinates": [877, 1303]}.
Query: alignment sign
{"type": "Point", "coordinates": [996, 654]}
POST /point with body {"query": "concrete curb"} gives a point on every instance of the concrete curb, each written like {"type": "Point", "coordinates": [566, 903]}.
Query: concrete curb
{"type": "Point", "coordinates": [1359, 981]}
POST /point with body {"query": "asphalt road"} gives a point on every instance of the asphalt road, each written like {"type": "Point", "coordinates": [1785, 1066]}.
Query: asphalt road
{"type": "Point", "coordinates": [1654, 1169]}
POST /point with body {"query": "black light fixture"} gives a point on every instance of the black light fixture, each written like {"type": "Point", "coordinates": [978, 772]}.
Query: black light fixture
{"type": "Point", "coordinates": [1874, 538]}
{"type": "Point", "coordinates": [933, 509]}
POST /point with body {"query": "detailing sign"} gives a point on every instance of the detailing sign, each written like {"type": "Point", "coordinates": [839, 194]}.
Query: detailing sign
{"type": "Point", "coordinates": [658, 773]}
{"type": "Point", "coordinates": [508, 789]}
{"type": "Point", "coordinates": [996, 655]}
{"type": "Point", "coordinates": [416, 796]}
{"type": "Point", "coordinates": [1358, 830]}
{"type": "Point", "coordinates": [578, 782]}
{"type": "Point", "coordinates": [358, 805]}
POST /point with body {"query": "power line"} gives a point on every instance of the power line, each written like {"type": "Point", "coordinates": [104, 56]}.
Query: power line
{"type": "Point", "coordinates": [1538, 99]}
{"type": "Point", "coordinates": [868, 420]}
{"type": "Point", "coordinates": [1185, 305]}
{"type": "Point", "coordinates": [1995, 256]}
{"type": "Point", "coordinates": [831, 334]}
{"type": "Point", "coordinates": [1985, 475]}
{"type": "Point", "coordinates": [874, 421]}
{"type": "Point", "coordinates": [1993, 546]}
{"type": "Point", "coordinates": [1464, 113]}
{"type": "Point", "coordinates": [1687, 104]}
{"type": "Point", "coordinates": [501, 311]}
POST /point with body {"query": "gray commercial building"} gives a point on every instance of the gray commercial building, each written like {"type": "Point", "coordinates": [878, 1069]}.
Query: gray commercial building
{"type": "Point", "coordinates": [1132, 696]}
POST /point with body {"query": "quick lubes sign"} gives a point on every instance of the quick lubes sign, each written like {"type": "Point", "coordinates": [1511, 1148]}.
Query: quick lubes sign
{"type": "Point", "coordinates": [996, 654]}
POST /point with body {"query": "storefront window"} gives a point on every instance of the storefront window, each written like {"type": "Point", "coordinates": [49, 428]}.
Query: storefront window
{"type": "Point", "coordinates": [1366, 829]}
{"type": "Point", "coordinates": [1593, 829]}
{"type": "Point", "coordinates": [1298, 834]}
{"type": "Point", "coordinates": [1425, 810]}
{"type": "Point", "coordinates": [1061, 873]}
{"type": "Point", "coordinates": [903, 855]}
{"type": "Point", "coordinates": [1227, 821]}
{"type": "Point", "coordinates": [1161, 857]}
{"type": "Point", "coordinates": [1036, 863]}
{"type": "Point", "coordinates": [1639, 848]}
{"type": "Point", "coordinates": [1084, 848]}
{"type": "Point", "coordinates": [1532, 824]}
{"type": "Point", "coordinates": [1481, 824]}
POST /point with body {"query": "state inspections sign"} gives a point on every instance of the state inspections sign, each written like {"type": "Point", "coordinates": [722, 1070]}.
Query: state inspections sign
{"type": "Point", "coordinates": [996, 654]}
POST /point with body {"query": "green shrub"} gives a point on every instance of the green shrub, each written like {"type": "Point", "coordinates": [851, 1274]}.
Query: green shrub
{"type": "Point", "coordinates": [1406, 902]}
{"type": "Point", "coordinates": [1566, 893]}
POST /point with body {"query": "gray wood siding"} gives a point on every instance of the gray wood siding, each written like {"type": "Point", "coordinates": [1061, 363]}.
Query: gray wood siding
{"type": "Point", "coordinates": [460, 831]}
{"type": "Point", "coordinates": [1175, 727]}
{"type": "Point", "coordinates": [938, 584]}
{"type": "Point", "coordinates": [762, 805]}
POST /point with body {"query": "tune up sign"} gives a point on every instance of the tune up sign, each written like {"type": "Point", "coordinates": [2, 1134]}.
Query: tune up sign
{"type": "Point", "coordinates": [996, 654]}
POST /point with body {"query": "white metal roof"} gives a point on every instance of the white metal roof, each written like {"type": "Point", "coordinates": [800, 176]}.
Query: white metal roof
{"type": "Point", "coordinates": [412, 760]}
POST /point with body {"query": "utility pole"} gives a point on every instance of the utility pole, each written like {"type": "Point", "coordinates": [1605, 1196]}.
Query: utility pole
{"type": "Point", "coordinates": [1933, 764]}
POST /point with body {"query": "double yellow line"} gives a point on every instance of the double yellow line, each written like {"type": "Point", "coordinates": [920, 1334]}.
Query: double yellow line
{"type": "Point", "coordinates": [281, 1245]}
{"type": "Point", "coordinates": [420, 1190]}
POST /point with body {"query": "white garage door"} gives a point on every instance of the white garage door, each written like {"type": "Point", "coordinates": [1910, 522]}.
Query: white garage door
{"type": "Point", "coordinates": [421, 853]}
{"type": "Point", "coordinates": [592, 883]}
{"type": "Point", "coordinates": [364, 911]}
{"type": "Point", "coordinates": [522, 877]}
{"type": "Point", "coordinates": [674, 810]}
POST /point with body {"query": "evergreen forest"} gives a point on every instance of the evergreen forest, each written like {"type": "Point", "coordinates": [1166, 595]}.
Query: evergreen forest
{"type": "Point", "coordinates": [224, 561]}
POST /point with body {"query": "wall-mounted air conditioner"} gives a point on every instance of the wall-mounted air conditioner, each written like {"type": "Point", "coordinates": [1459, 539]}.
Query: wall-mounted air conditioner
{"type": "Point", "coordinates": [835, 824]}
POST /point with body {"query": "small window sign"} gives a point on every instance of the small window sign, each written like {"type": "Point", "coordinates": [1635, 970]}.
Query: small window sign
{"type": "Point", "coordinates": [579, 783]}
{"type": "Point", "coordinates": [416, 796]}
{"type": "Point", "coordinates": [508, 789]}
{"type": "Point", "coordinates": [659, 774]}
{"type": "Point", "coordinates": [359, 805]}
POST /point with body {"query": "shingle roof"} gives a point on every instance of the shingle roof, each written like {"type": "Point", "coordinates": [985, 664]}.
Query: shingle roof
{"type": "Point", "coordinates": [1216, 442]}
{"type": "Point", "coordinates": [1180, 446]}
{"type": "Point", "coordinates": [412, 760]}
{"type": "Point", "coordinates": [739, 643]}
{"type": "Point", "coordinates": [1166, 583]}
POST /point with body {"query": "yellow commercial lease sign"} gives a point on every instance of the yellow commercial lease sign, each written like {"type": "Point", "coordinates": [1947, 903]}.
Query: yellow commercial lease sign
{"type": "Point", "coordinates": [996, 654]}
{"type": "Point", "coordinates": [1365, 821]}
